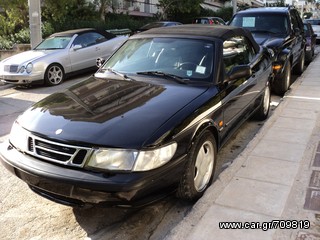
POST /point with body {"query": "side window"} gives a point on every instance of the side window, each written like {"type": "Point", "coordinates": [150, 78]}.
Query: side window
{"type": "Point", "coordinates": [237, 51]}
{"type": "Point", "coordinates": [299, 20]}
{"type": "Point", "coordinates": [294, 21]}
{"type": "Point", "coordinates": [89, 39]}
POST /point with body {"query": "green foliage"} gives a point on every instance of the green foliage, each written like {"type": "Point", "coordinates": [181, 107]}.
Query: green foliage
{"type": "Point", "coordinates": [174, 8]}
{"type": "Point", "coordinates": [307, 15]}
{"type": "Point", "coordinates": [47, 29]}
{"type": "Point", "coordinates": [60, 15]}
{"type": "Point", "coordinates": [278, 3]}
{"type": "Point", "coordinates": [224, 13]}
{"type": "Point", "coordinates": [14, 16]}
{"type": "Point", "coordinates": [65, 11]}
{"type": "Point", "coordinates": [23, 36]}
{"type": "Point", "coordinates": [14, 23]}
{"type": "Point", "coordinates": [5, 43]}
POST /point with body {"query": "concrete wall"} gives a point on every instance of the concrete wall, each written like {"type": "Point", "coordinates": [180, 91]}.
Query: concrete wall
{"type": "Point", "coordinates": [17, 48]}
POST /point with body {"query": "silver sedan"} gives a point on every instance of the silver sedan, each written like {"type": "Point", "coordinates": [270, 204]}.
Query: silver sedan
{"type": "Point", "coordinates": [59, 55]}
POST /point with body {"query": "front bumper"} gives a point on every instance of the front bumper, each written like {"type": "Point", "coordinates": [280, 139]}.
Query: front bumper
{"type": "Point", "coordinates": [20, 78]}
{"type": "Point", "coordinates": [79, 187]}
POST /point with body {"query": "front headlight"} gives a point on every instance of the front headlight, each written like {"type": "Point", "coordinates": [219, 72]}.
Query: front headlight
{"type": "Point", "coordinates": [152, 159]}
{"type": "Point", "coordinates": [113, 159]}
{"type": "Point", "coordinates": [22, 69]}
{"type": "Point", "coordinates": [19, 137]}
{"type": "Point", "coordinates": [131, 160]}
{"type": "Point", "coordinates": [29, 67]}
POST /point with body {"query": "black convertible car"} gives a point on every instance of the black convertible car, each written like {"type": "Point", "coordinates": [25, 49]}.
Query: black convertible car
{"type": "Point", "coordinates": [149, 122]}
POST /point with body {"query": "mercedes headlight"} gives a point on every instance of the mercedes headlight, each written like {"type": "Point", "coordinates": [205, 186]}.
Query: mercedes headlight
{"type": "Point", "coordinates": [131, 160]}
{"type": "Point", "coordinates": [22, 69]}
{"type": "Point", "coordinates": [29, 67]}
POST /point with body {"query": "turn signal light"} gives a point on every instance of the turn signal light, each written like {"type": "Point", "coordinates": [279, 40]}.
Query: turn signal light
{"type": "Point", "coordinates": [276, 67]}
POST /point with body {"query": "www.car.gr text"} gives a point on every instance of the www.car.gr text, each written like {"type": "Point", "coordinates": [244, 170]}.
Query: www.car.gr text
{"type": "Point", "coordinates": [274, 224]}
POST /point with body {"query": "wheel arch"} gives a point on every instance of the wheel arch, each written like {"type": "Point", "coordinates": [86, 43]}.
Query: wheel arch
{"type": "Point", "coordinates": [206, 125]}
{"type": "Point", "coordinates": [54, 63]}
{"type": "Point", "coordinates": [47, 69]}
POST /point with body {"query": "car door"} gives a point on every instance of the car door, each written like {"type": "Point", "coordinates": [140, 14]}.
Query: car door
{"type": "Point", "coordinates": [85, 50]}
{"type": "Point", "coordinates": [298, 42]}
{"type": "Point", "coordinates": [238, 95]}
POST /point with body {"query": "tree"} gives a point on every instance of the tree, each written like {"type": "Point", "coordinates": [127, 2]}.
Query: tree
{"type": "Point", "coordinates": [60, 12]}
{"type": "Point", "coordinates": [14, 17]}
{"type": "Point", "coordinates": [104, 6]}
{"type": "Point", "coordinates": [172, 8]}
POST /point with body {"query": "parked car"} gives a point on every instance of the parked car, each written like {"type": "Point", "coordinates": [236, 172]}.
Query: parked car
{"type": "Point", "coordinates": [58, 55]}
{"type": "Point", "coordinates": [311, 39]}
{"type": "Point", "coordinates": [209, 20]}
{"type": "Point", "coordinates": [149, 122]}
{"type": "Point", "coordinates": [280, 29]}
{"type": "Point", "coordinates": [157, 24]}
{"type": "Point", "coordinates": [315, 23]}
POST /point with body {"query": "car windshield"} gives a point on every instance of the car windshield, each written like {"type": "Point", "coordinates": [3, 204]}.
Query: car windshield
{"type": "Point", "coordinates": [187, 59]}
{"type": "Point", "coordinates": [262, 23]}
{"type": "Point", "coordinates": [58, 42]}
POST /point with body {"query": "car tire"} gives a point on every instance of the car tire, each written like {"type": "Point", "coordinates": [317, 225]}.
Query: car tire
{"type": "Point", "coordinates": [54, 75]}
{"type": "Point", "coordinates": [283, 81]}
{"type": "Point", "coordinates": [308, 58]}
{"type": "Point", "coordinates": [264, 107]}
{"type": "Point", "coordinates": [299, 67]}
{"type": "Point", "coordinates": [199, 169]}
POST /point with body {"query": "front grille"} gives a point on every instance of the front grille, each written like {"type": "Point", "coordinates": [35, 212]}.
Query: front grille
{"type": "Point", "coordinates": [11, 68]}
{"type": "Point", "coordinates": [57, 152]}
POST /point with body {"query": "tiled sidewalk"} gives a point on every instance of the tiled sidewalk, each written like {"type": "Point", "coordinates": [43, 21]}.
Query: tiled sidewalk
{"type": "Point", "coordinates": [277, 177]}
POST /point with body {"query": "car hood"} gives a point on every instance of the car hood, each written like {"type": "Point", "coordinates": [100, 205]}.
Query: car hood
{"type": "Point", "coordinates": [268, 40]}
{"type": "Point", "coordinates": [108, 112]}
{"type": "Point", "coordinates": [25, 57]}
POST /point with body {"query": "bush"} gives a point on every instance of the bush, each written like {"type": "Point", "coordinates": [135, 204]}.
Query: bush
{"type": "Point", "coordinates": [113, 21]}
{"type": "Point", "coordinates": [5, 43]}
{"type": "Point", "coordinates": [47, 29]}
{"type": "Point", "coordinates": [23, 36]}
{"type": "Point", "coordinates": [224, 13]}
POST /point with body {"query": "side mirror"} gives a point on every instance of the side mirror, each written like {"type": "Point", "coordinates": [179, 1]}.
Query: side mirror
{"type": "Point", "coordinates": [315, 35]}
{"type": "Point", "coordinates": [76, 47]}
{"type": "Point", "coordinates": [240, 71]}
{"type": "Point", "coordinates": [297, 31]}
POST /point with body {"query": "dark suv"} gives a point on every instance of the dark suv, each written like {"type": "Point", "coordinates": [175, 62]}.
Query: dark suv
{"type": "Point", "coordinates": [280, 29]}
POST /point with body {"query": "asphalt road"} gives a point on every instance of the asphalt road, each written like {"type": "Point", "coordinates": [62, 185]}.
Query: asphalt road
{"type": "Point", "coordinates": [25, 215]}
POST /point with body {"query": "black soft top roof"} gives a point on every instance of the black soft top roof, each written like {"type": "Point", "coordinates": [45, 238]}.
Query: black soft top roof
{"type": "Point", "coordinates": [80, 31]}
{"type": "Point", "coordinates": [204, 30]}
{"type": "Point", "coordinates": [266, 10]}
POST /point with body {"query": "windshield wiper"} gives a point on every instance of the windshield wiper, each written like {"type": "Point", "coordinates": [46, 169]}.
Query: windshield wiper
{"type": "Point", "coordinates": [166, 75]}
{"type": "Point", "coordinates": [124, 76]}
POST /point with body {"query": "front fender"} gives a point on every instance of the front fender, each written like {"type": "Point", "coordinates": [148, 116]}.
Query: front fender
{"type": "Point", "coordinates": [280, 61]}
